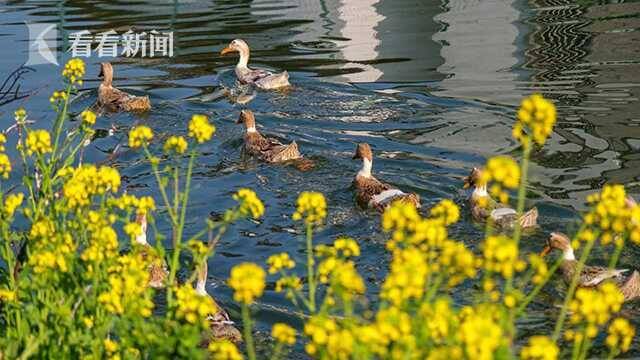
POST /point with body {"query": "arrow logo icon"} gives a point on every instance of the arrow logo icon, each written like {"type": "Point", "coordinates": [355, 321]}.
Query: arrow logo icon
{"type": "Point", "coordinates": [43, 40]}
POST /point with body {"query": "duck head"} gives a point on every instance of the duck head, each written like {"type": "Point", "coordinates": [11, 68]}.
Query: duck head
{"type": "Point", "coordinates": [560, 242]}
{"type": "Point", "coordinates": [240, 46]}
{"type": "Point", "coordinates": [106, 73]}
{"type": "Point", "coordinates": [248, 119]}
{"type": "Point", "coordinates": [363, 151]}
{"type": "Point", "coordinates": [202, 279]}
{"type": "Point", "coordinates": [473, 179]}
{"type": "Point", "coordinates": [141, 219]}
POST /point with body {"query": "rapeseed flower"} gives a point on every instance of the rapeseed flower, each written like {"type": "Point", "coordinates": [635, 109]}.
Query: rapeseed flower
{"type": "Point", "coordinates": [247, 281]}
{"type": "Point", "coordinates": [536, 116]}
{"type": "Point", "coordinates": [139, 136]}
{"type": "Point", "coordinates": [39, 142]}
{"type": "Point", "coordinates": [5, 165]}
{"type": "Point", "coordinates": [58, 97]}
{"type": "Point", "coordinates": [540, 348]}
{"type": "Point", "coordinates": [224, 350]}
{"type": "Point", "coordinates": [481, 335]}
{"type": "Point", "coordinates": [125, 293]}
{"type": "Point", "coordinates": [250, 203]}
{"type": "Point", "coordinates": [447, 211]}
{"type": "Point", "coordinates": [11, 203]}
{"type": "Point", "coordinates": [3, 140]}
{"type": "Point", "coordinates": [88, 117]}
{"type": "Point", "coordinates": [595, 306]}
{"type": "Point", "coordinates": [20, 115]}
{"type": "Point", "coordinates": [407, 277]}
{"type": "Point", "coordinates": [503, 172]}
{"type": "Point", "coordinates": [175, 144]}
{"type": "Point", "coordinates": [193, 307]}
{"type": "Point", "coordinates": [283, 333]}
{"type": "Point", "coordinates": [500, 255]}
{"type": "Point", "coordinates": [7, 295]}
{"type": "Point", "coordinates": [312, 207]}
{"type": "Point", "coordinates": [620, 335]}
{"type": "Point", "coordinates": [279, 262]}
{"type": "Point", "coordinates": [200, 129]}
{"type": "Point", "coordinates": [74, 71]}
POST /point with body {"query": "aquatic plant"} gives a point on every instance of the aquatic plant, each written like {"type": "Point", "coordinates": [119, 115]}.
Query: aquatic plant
{"type": "Point", "coordinates": [71, 286]}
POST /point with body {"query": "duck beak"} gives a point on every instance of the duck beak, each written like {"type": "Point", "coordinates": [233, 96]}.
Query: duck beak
{"type": "Point", "coordinates": [545, 251]}
{"type": "Point", "coordinates": [226, 50]}
{"type": "Point", "coordinates": [467, 183]}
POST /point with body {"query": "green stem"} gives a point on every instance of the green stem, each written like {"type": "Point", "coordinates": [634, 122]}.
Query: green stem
{"type": "Point", "coordinates": [616, 255]}
{"type": "Point", "coordinates": [310, 266]}
{"type": "Point", "coordinates": [572, 289]}
{"type": "Point", "coordinates": [248, 337]}
{"type": "Point", "coordinates": [537, 289]}
{"type": "Point", "coordinates": [58, 126]}
{"type": "Point", "coordinates": [161, 186]}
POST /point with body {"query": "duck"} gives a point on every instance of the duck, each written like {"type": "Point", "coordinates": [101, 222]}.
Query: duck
{"type": "Point", "coordinates": [221, 327]}
{"type": "Point", "coordinates": [373, 193]}
{"type": "Point", "coordinates": [269, 150]}
{"type": "Point", "coordinates": [115, 100]}
{"type": "Point", "coordinates": [157, 267]}
{"type": "Point", "coordinates": [484, 208]}
{"type": "Point", "coordinates": [262, 79]}
{"type": "Point", "coordinates": [591, 276]}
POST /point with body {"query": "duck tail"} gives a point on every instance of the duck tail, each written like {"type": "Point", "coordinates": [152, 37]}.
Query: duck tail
{"type": "Point", "coordinates": [631, 288]}
{"type": "Point", "coordinates": [529, 219]}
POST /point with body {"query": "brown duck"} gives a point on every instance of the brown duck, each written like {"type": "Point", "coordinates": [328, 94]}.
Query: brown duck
{"type": "Point", "coordinates": [483, 207]}
{"type": "Point", "coordinates": [260, 78]}
{"type": "Point", "coordinates": [371, 192]}
{"type": "Point", "coordinates": [221, 327]}
{"type": "Point", "coordinates": [113, 99]}
{"type": "Point", "coordinates": [157, 268]}
{"type": "Point", "coordinates": [591, 276]}
{"type": "Point", "coordinates": [268, 149]}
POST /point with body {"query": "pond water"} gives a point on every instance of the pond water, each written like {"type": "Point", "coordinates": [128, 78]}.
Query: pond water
{"type": "Point", "coordinates": [432, 86]}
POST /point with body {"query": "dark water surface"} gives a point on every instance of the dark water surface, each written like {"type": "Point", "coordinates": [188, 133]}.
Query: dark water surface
{"type": "Point", "coordinates": [431, 86]}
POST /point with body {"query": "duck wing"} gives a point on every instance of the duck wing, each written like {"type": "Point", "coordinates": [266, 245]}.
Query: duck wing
{"type": "Point", "coordinates": [257, 144]}
{"type": "Point", "coordinates": [594, 275]}
{"type": "Point", "coordinates": [283, 153]}
{"type": "Point", "coordinates": [273, 81]}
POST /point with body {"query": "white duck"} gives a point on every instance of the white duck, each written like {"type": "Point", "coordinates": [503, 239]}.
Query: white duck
{"type": "Point", "coordinates": [261, 78]}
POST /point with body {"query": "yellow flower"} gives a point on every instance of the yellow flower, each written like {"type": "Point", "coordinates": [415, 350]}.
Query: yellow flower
{"type": "Point", "coordinates": [176, 144]}
{"type": "Point", "coordinates": [447, 211]}
{"type": "Point", "coordinates": [279, 262]}
{"type": "Point", "coordinates": [595, 306]}
{"type": "Point", "coordinates": [248, 282]}
{"type": "Point", "coordinates": [439, 318]}
{"type": "Point", "coordinates": [480, 334]}
{"type": "Point", "coordinates": [74, 71]}
{"type": "Point", "coordinates": [11, 203]}
{"type": "Point", "coordinates": [88, 321]}
{"type": "Point", "coordinates": [620, 335]}
{"type": "Point", "coordinates": [283, 333]}
{"type": "Point", "coordinates": [536, 116]}
{"type": "Point", "coordinates": [198, 248]}
{"type": "Point", "coordinates": [140, 135]}
{"type": "Point", "coordinates": [87, 181]}
{"type": "Point", "coordinates": [324, 333]}
{"type": "Point", "coordinates": [540, 348]}
{"type": "Point", "coordinates": [88, 117]}
{"type": "Point", "coordinates": [250, 203]}
{"type": "Point", "coordinates": [346, 247]}
{"type": "Point", "coordinates": [39, 142]}
{"type": "Point", "coordinates": [200, 129]}
{"type": "Point", "coordinates": [5, 165]}
{"type": "Point", "coordinates": [3, 140]}
{"type": "Point", "coordinates": [7, 295]}
{"type": "Point", "coordinates": [20, 115]}
{"type": "Point", "coordinates": [127, 292]}
{"type": "Point", "coordinates": [312, 207]}
{"type": "Point", "coordinates": [501, 256]}
{"type": "Point", "coordinates": [193, 307]}
{"type": "Point", "coordinates": [407, 277]}
{"type": "Point", "coordinates": [58, 96]}
{"type": "Point", "coordinates": [540, 268]}
{"type": "Point", "coordinates": [224, 350]}
{"type": "Point", "coordinates": [110, 346]}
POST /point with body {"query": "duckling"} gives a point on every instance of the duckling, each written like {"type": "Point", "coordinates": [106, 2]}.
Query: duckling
{"type": "Point", "coordinates": [268, 149]}
{"type": "Point", "coordinates": [502, 216]}
{"type": "Point", "coordinates": [117, 100]}
{"type": "Point", "coordinates": [261, 78]}
{"type": "Point", "coordinates": [591, 276]}
{"type": "Point", "coordinates": [158, 271]}
{"type": "Point", "coordinates": [371, 192]}
{"type": "Point", "coordinates": [221, 327]}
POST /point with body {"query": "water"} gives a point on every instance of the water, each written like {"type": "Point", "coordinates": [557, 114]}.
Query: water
{"type": "Point", "coordinates": [431, 86]}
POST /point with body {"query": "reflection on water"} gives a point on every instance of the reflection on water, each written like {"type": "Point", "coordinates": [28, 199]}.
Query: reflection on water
{"type": "Point", "coordinates": [432, 86]}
